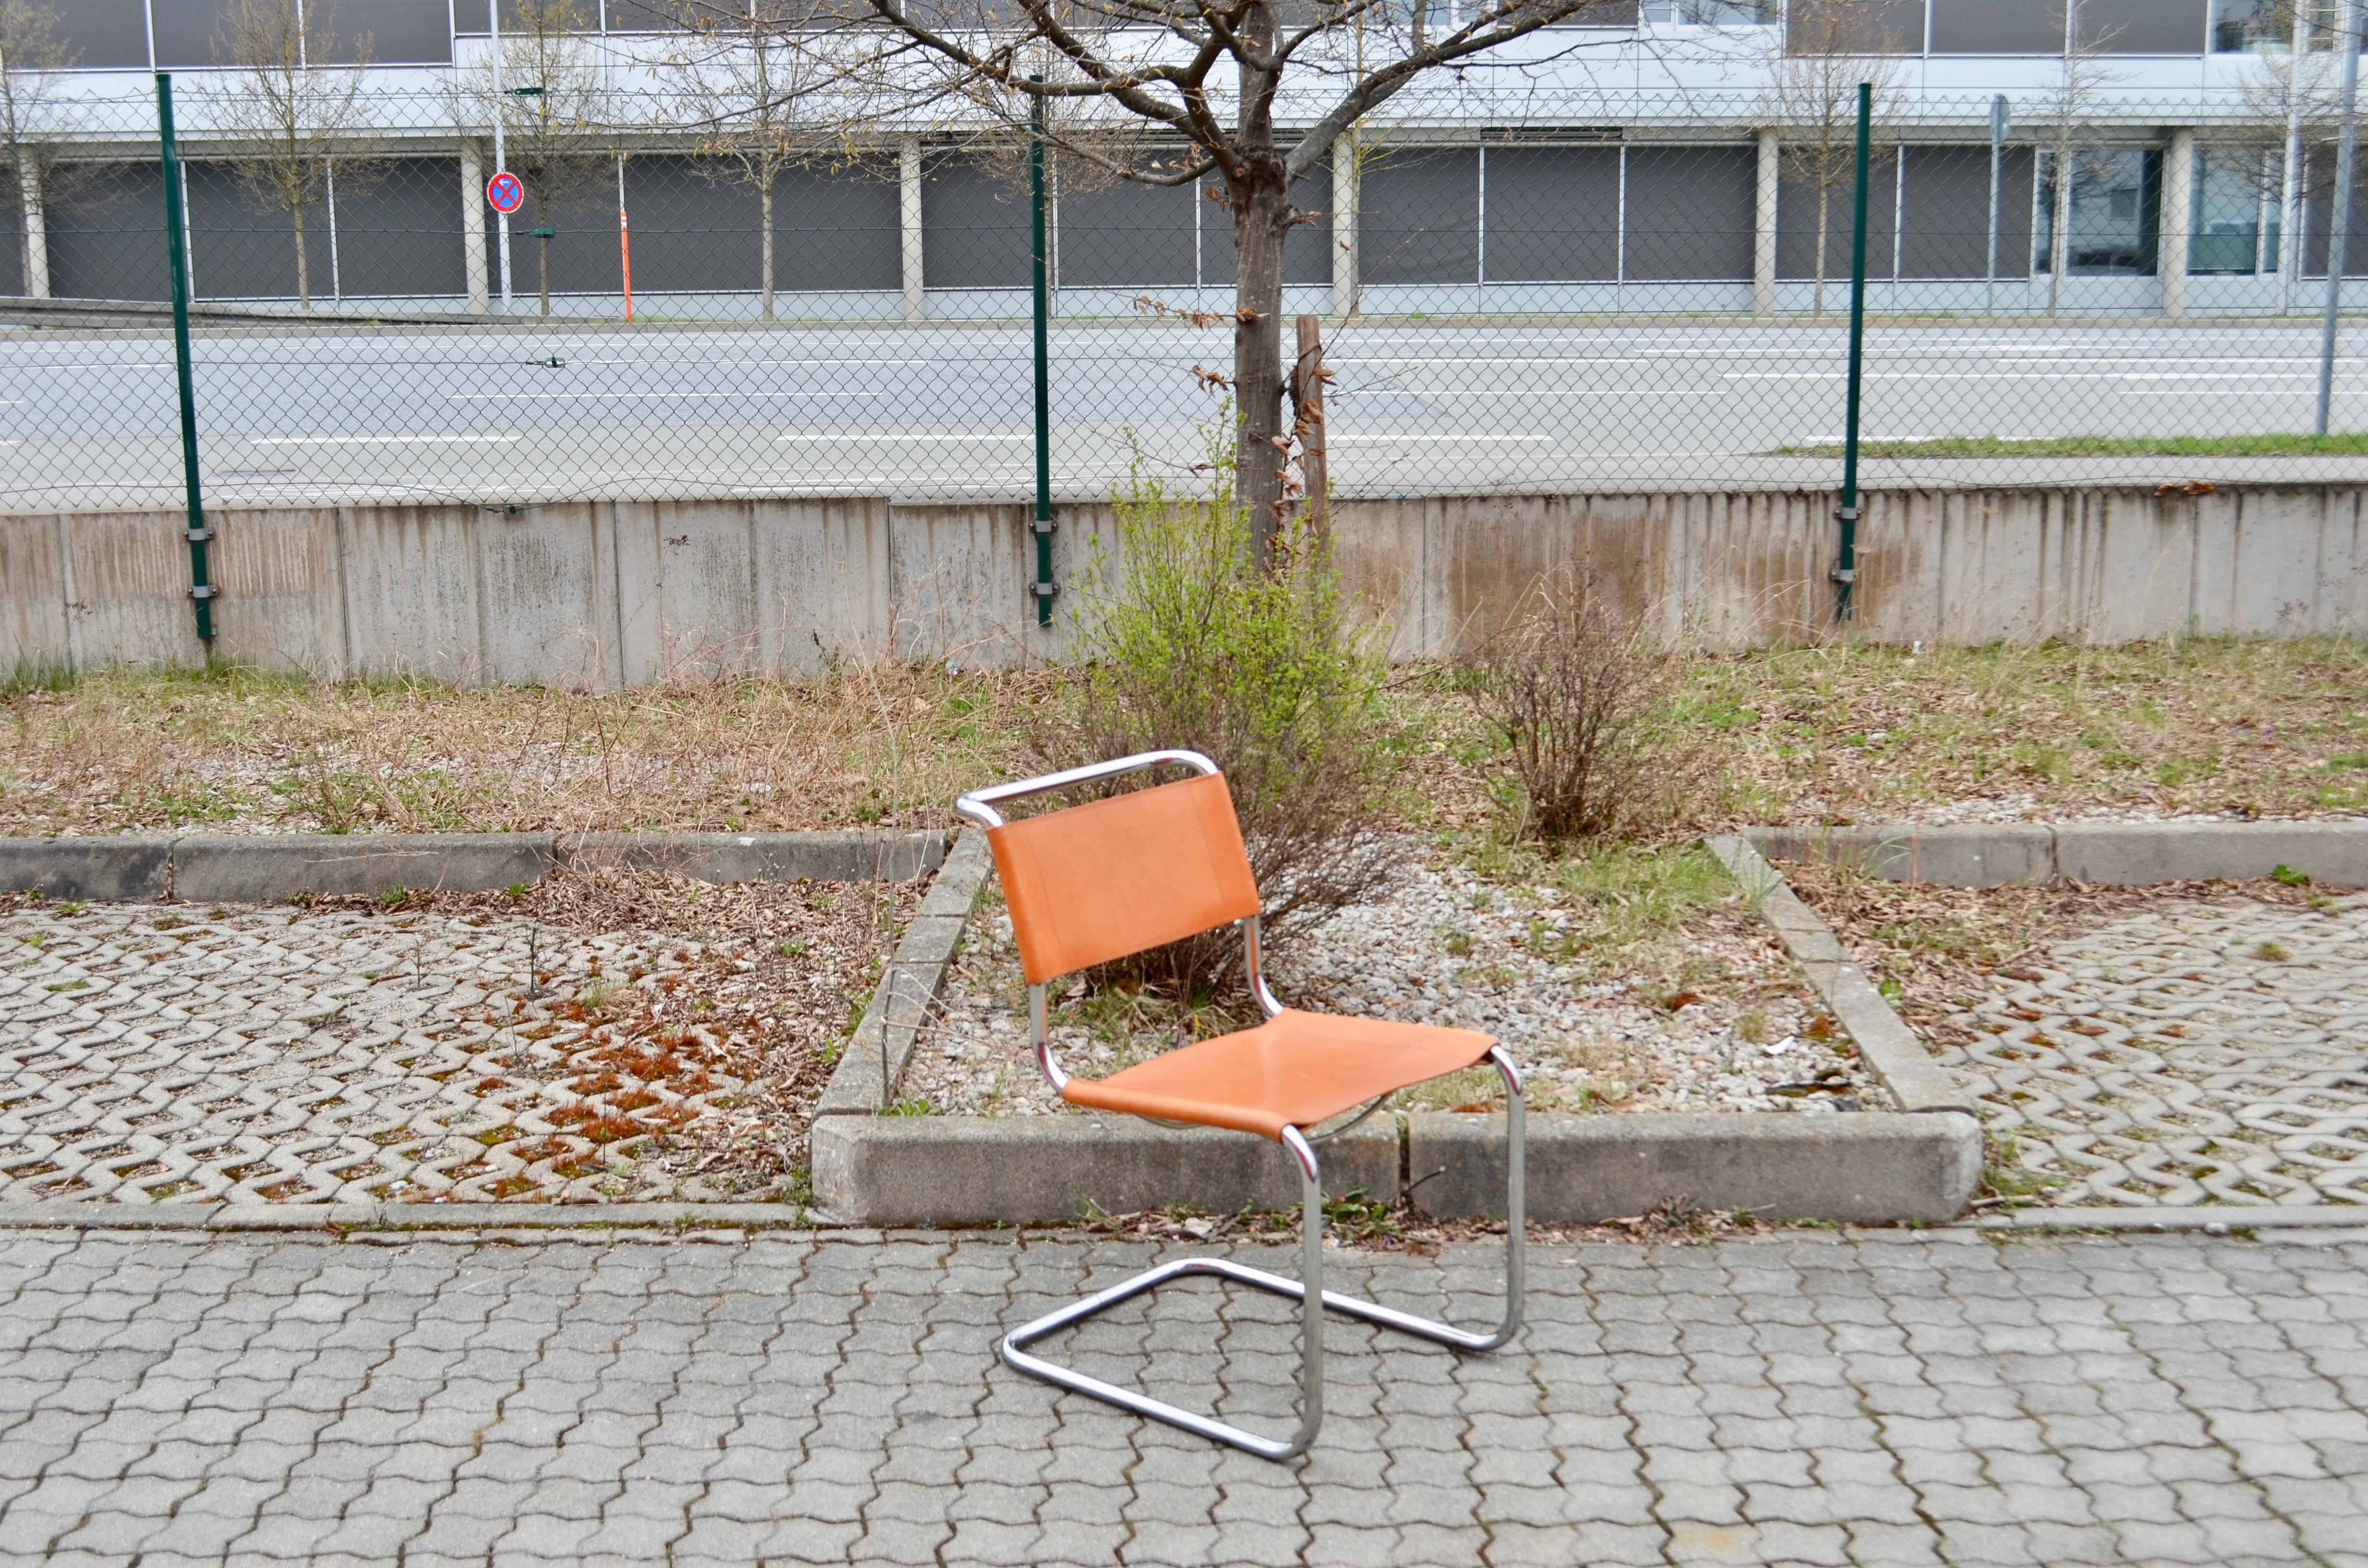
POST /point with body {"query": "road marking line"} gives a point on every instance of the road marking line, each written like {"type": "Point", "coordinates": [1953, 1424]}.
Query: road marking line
{"type": "Point", "coordinates": [363, 440]}
{"type": "Point", "coordinates": [641, 396]}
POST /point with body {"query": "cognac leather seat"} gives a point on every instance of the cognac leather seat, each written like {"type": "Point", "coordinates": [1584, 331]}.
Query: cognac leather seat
{"type": "Point", "coordinates": [1295, 1070]}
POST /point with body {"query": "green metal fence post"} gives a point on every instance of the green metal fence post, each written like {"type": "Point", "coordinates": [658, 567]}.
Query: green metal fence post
{"type": "Point", "coordinates": [1042, 525]}
{"type": "Point", "coordinates": [1846, 572]}
{"type": "Point", "coordinates": [177, 237]}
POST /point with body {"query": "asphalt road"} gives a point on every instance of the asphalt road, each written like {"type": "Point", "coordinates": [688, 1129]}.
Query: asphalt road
{"type": "Point", "coordinates": [945, 410]}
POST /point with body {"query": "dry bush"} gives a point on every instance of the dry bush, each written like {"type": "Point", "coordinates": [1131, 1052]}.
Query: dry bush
{"type": "Point", "coordinates": [1187, 643]}
{"type": "Point", "coordinates": [1581, 699]}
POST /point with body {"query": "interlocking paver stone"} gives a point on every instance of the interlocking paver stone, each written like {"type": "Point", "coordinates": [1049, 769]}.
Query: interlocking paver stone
{"type": "Point", "coordinates": [154, 1053]}
{"type": "Point", "coordinates": [2196, 1053]}
{"type": "Point", "coordinates": [2232, 1446]}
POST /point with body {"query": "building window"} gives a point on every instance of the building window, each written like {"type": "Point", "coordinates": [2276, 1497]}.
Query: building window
{"type": "Point", "coordinates": [2267, 27]}
{"type": "Point", "coordinates": [1716, 12]}
{"type": "Point", "coordinates": [2235, 215]}
{"type": "Point", "coordinates": [2117, 203]}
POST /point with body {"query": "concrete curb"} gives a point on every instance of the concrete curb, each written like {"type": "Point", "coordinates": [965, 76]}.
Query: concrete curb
{"type": "Point", "coordinates": [1867, 1167]}
{"type": "Point", "coordinates": [268, 868]}
{"type": "Point", "coordinates": [69, 1214]}
{"type": "Point", "coordinates": [2333, 851]}
{"type": "Point", "coordinates": [869, 1169]}
{"type": "Point", "coordinates": [871, 1067]}
{"type": "Point", "coordinates": [1033, 1170]}
{"type": "Point", "coordinates": [1886, 1044]}
{"type": "Point", "coordinates": [2217, 1218]}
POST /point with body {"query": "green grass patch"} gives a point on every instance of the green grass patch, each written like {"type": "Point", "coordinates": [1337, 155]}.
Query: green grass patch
{"type": "Point", "coordinates": [2105, 446]}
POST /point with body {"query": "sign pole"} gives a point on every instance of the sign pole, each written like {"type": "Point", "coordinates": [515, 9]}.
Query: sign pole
{"type": "Point", "coordinates": [1846, 573]}
{"type": "Point", "coordinates": [1042, 525]}
{"type": "Point", "coordinates": [501, 152]}
{"type": "Point", "coordinates": [202, 588]}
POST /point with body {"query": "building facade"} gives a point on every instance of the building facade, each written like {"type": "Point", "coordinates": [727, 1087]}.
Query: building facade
{"type": "Point", "coordinates": [2130, 158]}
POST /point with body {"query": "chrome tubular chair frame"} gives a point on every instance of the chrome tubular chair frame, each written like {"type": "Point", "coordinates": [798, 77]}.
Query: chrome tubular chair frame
{"type": "Point", "coordinates": [1308, 1289]}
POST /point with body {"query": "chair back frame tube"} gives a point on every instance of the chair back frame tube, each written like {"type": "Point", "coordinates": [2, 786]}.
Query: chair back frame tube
{"type": "Point", "coordinates": [979, 804]}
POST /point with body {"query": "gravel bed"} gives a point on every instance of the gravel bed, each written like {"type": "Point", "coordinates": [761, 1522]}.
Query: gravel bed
{"type": "Point", "coordinates": [1710, 1018]}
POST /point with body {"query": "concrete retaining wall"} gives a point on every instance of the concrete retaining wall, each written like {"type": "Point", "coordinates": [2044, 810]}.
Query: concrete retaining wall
{"type": "Point", "coordinates": [602, 594]}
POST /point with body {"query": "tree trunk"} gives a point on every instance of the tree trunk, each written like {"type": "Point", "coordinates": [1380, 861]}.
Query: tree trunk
{"type": "Point", "coordinates": [1825, 207]}
{"type": "Point", "coordinates": [765, 205]}
{"type": "Point", "coordinates": [35, 228]}
{"type": "Point", "coordinates": [1257, 181]}
{"type": "Point", "coordinates": [303, 262]}
{"type": "Point", "coordinates": [1261, 219]}
{"type": "Point", "coordinates": [2059, 243]}
{"type": "Point", "coordinates": [542, 257]}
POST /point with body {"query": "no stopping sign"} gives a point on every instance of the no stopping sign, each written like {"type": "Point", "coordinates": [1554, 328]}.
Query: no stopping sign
{"type": "Point", "coordinates": [504, 194]}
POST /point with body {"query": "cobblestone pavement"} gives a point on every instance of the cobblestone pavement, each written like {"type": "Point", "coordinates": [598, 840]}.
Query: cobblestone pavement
{"type": "Point", "coordinates": [1885, 1398]}
{"type": "Point", "coordinates": [2198, 1053]}
{"type": "Point", "coordinates": [257, 1055]}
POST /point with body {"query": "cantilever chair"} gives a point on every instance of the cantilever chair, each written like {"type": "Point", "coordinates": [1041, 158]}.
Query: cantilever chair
{"type": "Point", "coordinates": [1093, 883]}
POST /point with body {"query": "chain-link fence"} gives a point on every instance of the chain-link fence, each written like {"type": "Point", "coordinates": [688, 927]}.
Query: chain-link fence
{"type": "Point", "coordinates": [1658, 301]}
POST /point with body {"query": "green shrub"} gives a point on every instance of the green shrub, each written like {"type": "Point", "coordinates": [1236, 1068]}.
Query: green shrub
{"type": "Point", "coordinates": [1185, 643]}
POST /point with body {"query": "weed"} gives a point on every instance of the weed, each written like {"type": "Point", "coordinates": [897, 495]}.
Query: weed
{"type": "Point", "coordinates": [2287, 876]}
{"type": "Point", "coordinates": [1642, 895]}
{"type": "Point", "coordinates": [2271, 952]}
{"type": "Point", "coordinates": [1581, 701]}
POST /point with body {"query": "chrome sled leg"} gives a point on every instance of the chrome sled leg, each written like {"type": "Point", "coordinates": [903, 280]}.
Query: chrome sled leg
{"type": "Point", "coordinates": [1014, 1346]}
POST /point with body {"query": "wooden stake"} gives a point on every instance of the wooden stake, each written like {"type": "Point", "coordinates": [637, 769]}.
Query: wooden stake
{"type": "Point", "coordinates": [1307, 404]}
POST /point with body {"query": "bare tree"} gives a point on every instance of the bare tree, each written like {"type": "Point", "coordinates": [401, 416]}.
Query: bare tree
{"type": "Point", "coordinates": [1218, 75]}
{"type": "Point", "coordinates": [289, 107]}
{"type": "Point", "coordinates": [2068, 111]}
{"type": "Point", "coordinates": [740, 87]}
{"type": "Point", "coordinates": [1828, 48]}
{"type": "Point", "coordinates": [550, 101]}
{"type": "Point", "coordinates": [2283, 141]}
{"type": "Point", "coordinates": [32, 118]}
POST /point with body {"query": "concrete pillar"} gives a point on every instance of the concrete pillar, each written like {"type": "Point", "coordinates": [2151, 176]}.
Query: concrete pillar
{"type": "Point", "coordinates": [36, 230]}
{"type": "Point", "coordinates": [908, 206]}
{"type": "Point", "coordinates": [1344, 225]}
{"type": "Point", "coordinates": [472, 228]}
{"type": "Point", "coordinates": [2178, 220]}
{"type": "Point", "coordinates": [1763, 227]}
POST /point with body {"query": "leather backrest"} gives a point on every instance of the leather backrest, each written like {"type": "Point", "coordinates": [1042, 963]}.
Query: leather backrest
{"type": "Point", "coordinates": [1090, 883]}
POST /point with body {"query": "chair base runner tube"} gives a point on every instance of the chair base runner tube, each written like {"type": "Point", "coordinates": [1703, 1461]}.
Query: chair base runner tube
{"type": "Point", "coordinates": [1013, 1348]}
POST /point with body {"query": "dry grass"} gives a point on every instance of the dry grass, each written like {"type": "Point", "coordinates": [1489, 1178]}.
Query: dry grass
{"type": "Point", "coordinates": [1850, 733]}
{"type": "Point", "coordinates": [1839, 734]}
{"type": "Point", "coordinates": [234, 751]}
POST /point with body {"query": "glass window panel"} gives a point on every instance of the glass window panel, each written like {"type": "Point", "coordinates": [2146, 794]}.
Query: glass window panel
{"type": "Point", "coordinates": [2116, 204]}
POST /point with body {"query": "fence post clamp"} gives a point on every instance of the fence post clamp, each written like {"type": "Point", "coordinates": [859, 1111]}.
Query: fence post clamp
{"type": "Point", "coordinates": [1044, 526]}
{"type": "Point", "coordinates": [199, 535]}
{"type": "Point", "coordinates": [204, 591]}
